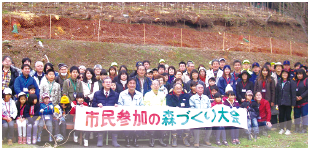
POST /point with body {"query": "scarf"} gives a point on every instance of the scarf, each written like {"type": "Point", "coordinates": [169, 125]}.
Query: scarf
{"type": "Point", "coordinates": [123, 82]}
{"type": "Point", "coordinates": [31, 112]}
{"type": "Point", "coordinates": [203, 79]}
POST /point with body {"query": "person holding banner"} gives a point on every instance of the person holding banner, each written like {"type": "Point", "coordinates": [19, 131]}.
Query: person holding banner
{"type": "Point", "coordinates": [131, 97]}
{"type": "Point", "coordinates": [200, 101]}
{"type": "Point", "coordinates": [106, 97]}
{"type": "Point", "coordinates": [178, 98]}
{"type": "Point", "coordinates": [155, 98]}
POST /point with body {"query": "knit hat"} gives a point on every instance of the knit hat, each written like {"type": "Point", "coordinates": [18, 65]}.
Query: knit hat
{"type": "Point", "coordinates": [64, 100]}
{"type": "Point", "coordinates": [226, 66]}
{"type": "Point", "coordinates": [228, 88]}
{"type": "Point", "coordinates": [45, 95]}
{"type": "Point", "coordinates": [245, 61]}
{"type": "Point", "coordinates": [161, 61]}
{"type": "Point", "coordinates": [97, 66]}
{"type": "Point", "coordinates": [60, 65]}
{"type": "Point", "coordinates": [7, 91]}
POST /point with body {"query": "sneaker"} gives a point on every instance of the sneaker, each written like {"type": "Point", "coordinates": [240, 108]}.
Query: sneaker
{"type": "Point", "coordinates": [218, 143]}
{"type": "Point", "coordinates": [225, 143]}
{"type": "Point", "coordinates": [59, 139]}
{"type": "Point", "coordinates": [281, 131]}
{"type": "Point", "coordinates": [85, 142]}
{"type": "Point", "coordinates": [39, 139]}
{"type": "Point", "coordinates": [28, 140]}
{"type": "Point", "coordinates": [233, 141]}
{"type": "Point", "coordinates": [75, 138]}
{"type": "Point", "coordinates": [287, 132]}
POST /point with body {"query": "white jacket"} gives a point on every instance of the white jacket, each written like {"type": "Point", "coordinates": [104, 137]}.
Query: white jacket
{"type": "Point", "coordinates": [11, 106]}
{"type": "Point", "coordinates": [210, 74]}
{"type": "Point", "coordinates": [86, 89]}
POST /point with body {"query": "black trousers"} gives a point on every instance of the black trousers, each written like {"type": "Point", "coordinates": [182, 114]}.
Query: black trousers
{"type": "Point", "coordinates": [285, 113]}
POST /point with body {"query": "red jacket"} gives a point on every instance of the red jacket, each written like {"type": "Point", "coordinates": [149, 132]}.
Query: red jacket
{"type": "Point", "coordinates": [264, 111]}
{"type": "Point", "coordinates": [73, 108]}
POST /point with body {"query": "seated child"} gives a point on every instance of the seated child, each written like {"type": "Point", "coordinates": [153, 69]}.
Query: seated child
{"type": "Point", "coordinates": [32, 111]}
{"type": "Point", "coordinates": [60, 118]}
{"type": "Point", "coordinates": [46, 114]}
{"type": "Point", "coordinates": [21, 120]}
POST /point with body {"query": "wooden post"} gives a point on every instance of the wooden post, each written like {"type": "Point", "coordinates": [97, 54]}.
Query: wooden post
{"type": "Point", "coordinates": [50, 26]}
{"type": "Point", "coordinates": [223, 41]}
{"type": "Point", "coordinates": [270, 46]}
{"type": "Point", "coordinates": [144, 32]}
{"type": "Point", "coordinates": [181, 37]}
{"type": "Point", "coordinates": [249, 43]}
{"type": "Point", "coordinates": [290, 47]}
{"type": "Point", "coordinates": [98, 31]}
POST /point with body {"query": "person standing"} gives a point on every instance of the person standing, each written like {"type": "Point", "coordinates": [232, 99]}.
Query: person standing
{"type": "Point", "coordinates": [64, 74]}
{"type": "Point", "coordinates": [131, 97]}
{"type": "Point", "coordinates": [9, 74]}
{"type": "Point", "coordinates": [237, 70]}
{"type": "Point", "coordinates": [143, 82]}
{"type": "Point", "coordinates": [225, 80]}
{"type": "Point", "coordinates": [243, 85]}
{"type": "Point", "coordinates": [215, 72]}
{"type": "Point", "coordinates": [39, 76]}
{"type": "Point", "coordinates": [72, 86]}
{"type": "Point", "coordinates": [90, 85]}
{"type": "Point", "coordinates": [186, 74]}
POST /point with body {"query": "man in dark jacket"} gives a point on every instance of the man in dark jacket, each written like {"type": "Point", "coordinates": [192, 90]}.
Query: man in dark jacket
{"type": "Point", "coordinates": [106, 97]}
{"type": "Point", "coordinates": [286, 65]}
{"type": "Point", "coordinates": [178, 98]}
{"type": "Point", "coordinates": [9, 74]}
{"type": "Point", "coordinates": [63, 75]}
{"type": "Point", "coordinates": [135, 73]}
{"type": "Point", "coordinates": [143, 83]}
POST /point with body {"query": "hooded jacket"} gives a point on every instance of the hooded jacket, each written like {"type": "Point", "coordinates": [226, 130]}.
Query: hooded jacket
{"type": "Point", "coordinates": [286, 95]}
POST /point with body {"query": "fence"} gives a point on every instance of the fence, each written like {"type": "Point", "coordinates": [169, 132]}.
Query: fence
{"type": "Point", "coordinates": [101, 22]}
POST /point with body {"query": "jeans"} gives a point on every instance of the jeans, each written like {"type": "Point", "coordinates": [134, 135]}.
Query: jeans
{"type": "Point", "coordinates": [7, 129]}
{"type": "Point", "coordinates": [60, 129]}
{"type": "Point", "coordinates": [49, 126]}
{"type": "Point", "coordinates": [234, 132]}
{"type": "Point", "coordinates": [252, 123]}
{"type": "Point", "coordinates": [220, 131]}
{"type": "Point", "coordinates": [32, 124]}
{"type": "Point", "coordinates": [301, 114]}
{"type": "Point", "coordinates": [21, 127]}
{"type": "Point", "coordinates": [285, 113]}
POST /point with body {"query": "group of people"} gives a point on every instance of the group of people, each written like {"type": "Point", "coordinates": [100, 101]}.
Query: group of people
{"type": "Point", "coordinates": [43, 96]}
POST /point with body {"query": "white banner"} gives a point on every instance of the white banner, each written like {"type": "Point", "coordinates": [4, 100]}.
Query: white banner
{"type": "Point", "coordinates": [157, 118]}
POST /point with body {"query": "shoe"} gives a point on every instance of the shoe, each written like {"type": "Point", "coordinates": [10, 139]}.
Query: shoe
{"type": "Point", "coordinates": [152, 142]}
{"type": "Point", "coordinates": [174, 140]}
{"type": "Point", "coordinates": [237, 141]}
{"type": "Point", "coordinates": [281, 131]}
{"type": "Point", "coordinates": [225, 143]}
{"type": "Point", "coordinates": [287, 132]}
{"type": "Point", "coordinates": [39, 139]}
{"type": "Point", "coordinates": [114, 140]}
{"type": "Point", "coordinates": [135, 142]}
{"type": "Point", "coordinates": [85, 142]}
{"type": "Point", "coordinates": [10, 143]}
{"type": "Point", "coordinates": [233, 141]}
{"type": "Point", "coordinates": [100, 140]}
{"type": "Point", "coordinates": [255, 136]}
{"type": "Point", "coordinates": [196, 145]}
{"type": "Point", "coordinates": [161, 142]}
{"type": "Point", "coordinates": [185, 140]}
{"type": "Point", "coordinates": [24, 140]}
{"type": "Point", "coordinates": [127, 142]}
{"type": "Point", "coordinates": [218, 143]}
{"type": "Point", "coordinates": [34, 139]}
{"type": "Point", "coordinates": [208, 143]}
{"type": "Point", "coordinates": [50, 138]}
{"type": "Point", "coordinates": [20, 140]}
{"type": "Point", "coordinates": [75, 138]}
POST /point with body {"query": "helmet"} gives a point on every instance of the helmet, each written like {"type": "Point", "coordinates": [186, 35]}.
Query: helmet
{"type": "Point", "coordinates": [7, 91]}
{"type": "Point", "coordinates": [64, 100]}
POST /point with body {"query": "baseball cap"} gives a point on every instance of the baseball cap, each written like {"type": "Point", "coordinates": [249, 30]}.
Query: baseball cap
{"type": "Point", "coordinates": [21, 94]}
{"type": "Point", "coordinates": [245, 61]}
{"type": "Point", "coordinates": [249, 92]}
{"type": "Point", "coordinates": [139, 63]}
{"type": "Point", "coordinates": [222, 59]}
{"type": "Point", "coordinates": [7, 91]}
{"type": "Point", "coordinates": [114, 64]}
{"type": "Point", "coordinates": [149, 70]}
{"type": "Point", "coordinates": [286, 62]}
{"type": "Point", "coordinates": [60, 65]}
{"type": "Point", "coordinates": [162, 61]}
{"type": "Point", "coordinates": [82, 67]}
{"type": "Point", "coordinates": [45, 95]}
{"type": "Point", "coordinates": [255, 64]}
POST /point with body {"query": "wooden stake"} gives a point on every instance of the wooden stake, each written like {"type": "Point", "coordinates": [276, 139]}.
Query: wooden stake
{"type": "Point", "coordinates": [270, 46]}
{"type": "Point", "coordinates": [50, 26]}
{"type": "Point", "coordinates": [290, 47]}
{"type": "Point", "coordinates": [181, 37]}
{"type": "Point", "coordinates": [98, 31]}
{"type": "Point", "coordinates": [144, 32]}
{"type": "Point", "coordinates": [223, 41]}
{"type": "Point", "coordinates": [249, 43]}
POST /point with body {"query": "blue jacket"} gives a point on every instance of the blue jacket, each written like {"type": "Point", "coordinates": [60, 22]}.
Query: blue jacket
{"type": "Point", "coordinates": [253, 77]}
{"type": "Point", "coordinates": [222, 85]}
{"type": "Point", "coordinates": [146, 85]}
{"type": "Point", "coordinates": [21, 82]}
{"type": "Point", "coordinates": [173, 101]}
{"type": "Point", "coordinates": [99, 97]}
{"type": "Point", "coordinates": [47, 108]}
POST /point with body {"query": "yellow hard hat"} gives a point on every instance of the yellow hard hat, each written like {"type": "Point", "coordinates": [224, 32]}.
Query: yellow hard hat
{"type": "Point", "coordinates": [64, 100]}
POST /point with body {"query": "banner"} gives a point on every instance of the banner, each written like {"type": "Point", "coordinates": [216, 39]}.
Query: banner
{"type": "Point", "coordinates": [157, 118]}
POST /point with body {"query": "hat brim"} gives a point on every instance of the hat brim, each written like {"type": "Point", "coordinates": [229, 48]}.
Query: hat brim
{"type": "Point", "coordinates": [244, 72]}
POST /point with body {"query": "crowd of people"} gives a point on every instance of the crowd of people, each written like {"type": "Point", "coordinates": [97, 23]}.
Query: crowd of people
{"type": "Point", "coordinates": [42, 96]}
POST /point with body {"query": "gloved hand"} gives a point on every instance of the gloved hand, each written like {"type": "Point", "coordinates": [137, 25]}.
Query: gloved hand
{"type": "Point", "coordinates": [41, 110]}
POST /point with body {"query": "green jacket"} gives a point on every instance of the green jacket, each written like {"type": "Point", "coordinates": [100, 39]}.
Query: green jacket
{"type": "Point", "coordinates": [68, 88]}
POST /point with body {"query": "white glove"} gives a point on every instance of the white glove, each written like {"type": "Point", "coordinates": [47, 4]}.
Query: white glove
{"type": "Point", "coordinates": [41, 111]}
{"type": "Point", "coordinates": [51, 107]}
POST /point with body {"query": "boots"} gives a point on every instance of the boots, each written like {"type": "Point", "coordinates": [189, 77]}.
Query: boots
{"type": "Point", "coordinates": [24, 140]}
{"type": "Point", "coordinates": [114, 140]}
{"type": "Point", "coordinates": [297, 128]}
{"type": "Point", "coordinates": [20, 140]}
{"type": "Point", "coordinates": [152, 140]}
{"type": "Point", "coordinates": [161, 141]}
{"type": "Point", "coordinates": [185, 140]}
{"type": "Point", "coordinates": [100, 140]}
{"type": "Point", "coordinates": [135, 140]}
{"type": "Point", "coordinates": [304, 129]}
{"type": "Point", "coordinates": [127, 142]}
{"type": "Point", "coordinates": [174, 140]}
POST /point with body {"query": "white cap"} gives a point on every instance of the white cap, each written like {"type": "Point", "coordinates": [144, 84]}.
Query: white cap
{"type": "Point", "coordinates": [228, 88]}
{"type": "Point", "coordinates": [114, 64]}
{"type": "Point", "coordinates": [21, 93]}
{"type": "Point", "coordinates": [82, 67]}
{"type": "Point", "coordinates": [7, 91]}
{"type": "Point", "coordinates": [222, 59]}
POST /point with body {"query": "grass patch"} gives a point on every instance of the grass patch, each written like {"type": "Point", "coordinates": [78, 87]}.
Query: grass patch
{"type": "Point", "coordinates": [16, 145]}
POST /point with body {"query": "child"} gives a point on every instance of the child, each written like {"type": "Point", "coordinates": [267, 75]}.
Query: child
{"type": "Point", "coordinates": [219, 130]}
{"type": "Point", "coordinates": [72, 86]}
{"type": "Point", "coordinates": [21, 120]}
{"type": "Point", "coordinates": [59, 120]}
{"type": "Point", "coordinates": [32, 114]}
{"type": "Point", "coordinates": [79, 101]}
{"type": "Point", "coordinates": [51, 87]}
{"type": "Point", "coordinates": [253, 112]}
{"type": "Point", "coordinates": [214, 89]}
{"type": "Point", "coordinates": [193, 85]}
{"type": "Point", "coordinates": [46, 113]}
{"type": "Point", "coordinates": [31, 90]}
{"type": "Point", "coordinates": [232, 102]}
{"type": "Point", "coordinates": [113, 85]}
{"type": "Point", "coordinates": [149, 74]}
{"type": "Point", "coordinates": [211, 82]}
{"type": "Point", "coordinates": [9, 113]}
